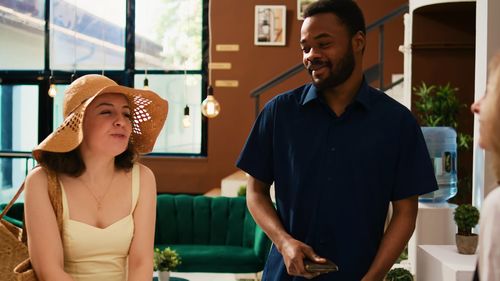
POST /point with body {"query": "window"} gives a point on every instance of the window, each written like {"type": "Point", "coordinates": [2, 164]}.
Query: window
{"type": "Point", "coordinates": [181, 91]}
{"type": "Point", "coordinates": [19, 132]}
{"type": "Point", "coordinates": [169, 34]}
{"type": "Point", "coordinates": [168, 47]}
{"type": "Point", "coordinates": [86, 35]}
{"type": "Point", "coordinates": [21, 33]}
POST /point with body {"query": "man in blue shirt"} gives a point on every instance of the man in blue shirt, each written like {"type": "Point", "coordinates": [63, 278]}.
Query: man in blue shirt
{"type": "Point", "coordinates": [338, 152]}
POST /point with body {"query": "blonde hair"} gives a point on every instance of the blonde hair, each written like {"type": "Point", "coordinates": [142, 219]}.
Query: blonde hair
{"type": "Point", "coordinates": [493, 104]}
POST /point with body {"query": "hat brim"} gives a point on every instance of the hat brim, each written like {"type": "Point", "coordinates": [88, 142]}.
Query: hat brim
{"type": "Point", "coordinates": [149, 112]}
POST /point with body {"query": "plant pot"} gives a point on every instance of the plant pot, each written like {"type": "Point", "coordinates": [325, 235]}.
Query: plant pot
{"type": "Point", "coordinates": [163, 275]}
{"type": "Point", "coordinates": [466, 245]}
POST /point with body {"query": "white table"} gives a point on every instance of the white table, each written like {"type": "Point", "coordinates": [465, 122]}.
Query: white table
{"type": "Point", "coordinates": [434, 226]}
{"type": "Point", "coordinates": [444, 263]}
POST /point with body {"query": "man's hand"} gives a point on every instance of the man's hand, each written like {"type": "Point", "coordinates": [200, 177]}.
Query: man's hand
{"type": "Point", "coordinates": [294, 252]}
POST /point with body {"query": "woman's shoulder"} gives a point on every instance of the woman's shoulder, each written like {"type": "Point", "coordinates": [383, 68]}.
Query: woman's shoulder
{"type": "Point", "coordinates": [490, 211]}
{"type": "Point", "coordinates": [36, 186]}
{"type": "Point", "coordinates": [37, 176]}
{"type": "Point", "coordinates": [145, 171]}
{"type": "Point", "coordinates": [147, 177]}
{"type": "Point", "coordinates": [492, 200]}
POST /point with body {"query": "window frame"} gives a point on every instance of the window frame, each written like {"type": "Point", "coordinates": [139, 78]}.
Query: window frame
{"type": "Point", "coordinates": [123, 77]}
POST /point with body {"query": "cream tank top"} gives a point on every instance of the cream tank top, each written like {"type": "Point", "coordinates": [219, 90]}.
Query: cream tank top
{"type": "Point", "coordinates": [98, 254]}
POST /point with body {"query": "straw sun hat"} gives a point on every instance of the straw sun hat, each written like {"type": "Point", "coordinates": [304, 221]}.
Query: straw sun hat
{"type": "Point", "coordinates": [148, 110]}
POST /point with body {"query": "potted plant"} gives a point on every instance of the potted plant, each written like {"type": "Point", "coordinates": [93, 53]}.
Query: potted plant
{"type": "Point", "coordinates": [399, 274]}
{"type": "Point", "coordinates": [437, 109]}
{"type": "Point", "coordinates": [164, 261]}
{"type": "Point", "coordinates": [242, 191]}
{"type": "Point", "coordinates": [466, 217]}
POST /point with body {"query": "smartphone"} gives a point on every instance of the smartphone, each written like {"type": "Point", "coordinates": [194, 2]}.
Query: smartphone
{"type": "Point", "coordinates": [326, 267]}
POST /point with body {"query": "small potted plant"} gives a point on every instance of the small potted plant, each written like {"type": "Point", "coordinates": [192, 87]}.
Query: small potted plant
{"type": "Point", "coordinates": [399, 274]}
{"type": "Point", "coordinates": [164, 261]}
{"type": "Point", "coordinates": [466, 217]}
{"type": "Point", "coordinates": [242, 191]}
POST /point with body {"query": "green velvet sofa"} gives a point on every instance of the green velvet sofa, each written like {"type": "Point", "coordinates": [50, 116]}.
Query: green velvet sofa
{"type": "Point", "coordinates": [15, 214]}
{"type": "Point", "coordinates": [211, 234]}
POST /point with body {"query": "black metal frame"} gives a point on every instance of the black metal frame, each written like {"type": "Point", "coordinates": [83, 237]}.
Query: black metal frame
{"type": "Point", "coordinates": [123, 77]}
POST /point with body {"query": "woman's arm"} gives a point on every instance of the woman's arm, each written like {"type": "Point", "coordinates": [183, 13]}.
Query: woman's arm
{"type": "Point", "coordinates": [140, 261]}
{"type": "Point", "coordinates": [44, 240]}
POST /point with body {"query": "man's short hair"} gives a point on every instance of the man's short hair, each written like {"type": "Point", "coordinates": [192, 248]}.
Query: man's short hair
{"type": "Point", "coordinates": [346, 10]}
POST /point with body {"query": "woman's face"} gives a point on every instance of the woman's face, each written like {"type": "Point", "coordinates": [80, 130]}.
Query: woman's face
{"type": "Point", "coordinates": [106, 125]}
{"type": "Point", "coordinates": [487, 110]}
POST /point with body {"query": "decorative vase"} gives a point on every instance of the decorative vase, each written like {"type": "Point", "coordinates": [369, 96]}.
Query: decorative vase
{"type": "Point", "coordinates": [163, 275]}
{"type": "Point", "coordinates": [466, 245]}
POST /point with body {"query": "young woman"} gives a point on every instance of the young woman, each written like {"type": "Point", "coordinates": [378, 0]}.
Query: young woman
{"type": "Point", "coordinates": [488, 109]}
{"type": "Point", "coordinates": [108, 199]}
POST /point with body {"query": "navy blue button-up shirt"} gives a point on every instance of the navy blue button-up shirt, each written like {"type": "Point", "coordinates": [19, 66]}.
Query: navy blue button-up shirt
{"type": "Point", "coordinates": [335, 175]}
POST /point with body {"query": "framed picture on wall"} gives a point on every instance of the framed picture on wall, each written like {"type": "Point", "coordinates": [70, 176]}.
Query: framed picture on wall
{"type": "Point", "coordinates": [270, 25]}
{"type": "Point", "coordinates": [301, 6]}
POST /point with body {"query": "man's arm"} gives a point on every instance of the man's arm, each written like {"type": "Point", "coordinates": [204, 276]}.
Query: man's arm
{"type": "Point", "coordinates": [262, 209]}
{"type": "Point", "coordinates": [395, 238]}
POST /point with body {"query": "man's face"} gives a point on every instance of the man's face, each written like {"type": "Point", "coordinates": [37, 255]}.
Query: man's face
{"type": "Point", "coordinates": [327, 50]}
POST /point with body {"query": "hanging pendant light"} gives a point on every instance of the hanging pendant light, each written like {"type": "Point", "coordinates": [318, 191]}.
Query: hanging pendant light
{"type": "Point", "coordinates": [52, 87]}
{"type": "Point", "coordinates": [186, 120]}
{"type": "Point", "coordinates": [210, 107]}
{"type": "Point", "coordinates": [146, 81]}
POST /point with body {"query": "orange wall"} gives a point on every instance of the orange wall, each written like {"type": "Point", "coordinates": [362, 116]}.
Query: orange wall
{"type": "Point", "coordinates": [233, 23]}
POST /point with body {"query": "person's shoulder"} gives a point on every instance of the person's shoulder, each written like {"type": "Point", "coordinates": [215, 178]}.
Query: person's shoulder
{"type": "Point", "coordinates": [36, 184]}
{"type": "Point", "coordinates": [293, 96]}
{"type": "Point", "coordinates": [37, 175]}
{"type": "Point", "coordinates": [147, 178]}
{"type": "Point", "coordinates": [492, 200]}
{"type": "Point", "coordinates": [382, 99]}
{"type": "Point", "coordinates": [145, 171]}
{"type": "Point", "coordinates": [391, 107]}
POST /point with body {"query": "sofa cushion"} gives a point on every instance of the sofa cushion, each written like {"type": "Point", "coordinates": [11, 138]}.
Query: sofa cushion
{"type": "Point", "coordinates": [15, 214]}
{"type": "Point", "coordinates": [187, 219]}
{"type": "Point", "coordinates": [211, 234]}
{"type": "Point", "coordinates": [214, 258]}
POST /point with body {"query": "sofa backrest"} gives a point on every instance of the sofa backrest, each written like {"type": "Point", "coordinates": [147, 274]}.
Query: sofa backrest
{"type": "Point", "coordinates": [189, 219]}
{"type": "Point", "coordinates": [16, 213]}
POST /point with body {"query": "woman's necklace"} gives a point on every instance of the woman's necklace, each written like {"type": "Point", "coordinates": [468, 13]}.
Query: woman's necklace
{"type": "Point", "coordinates": [97, 199]}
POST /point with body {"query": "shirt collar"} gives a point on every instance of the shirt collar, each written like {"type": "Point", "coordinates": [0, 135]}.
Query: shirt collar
{"type": "Point", "coordinates": [362, 97]}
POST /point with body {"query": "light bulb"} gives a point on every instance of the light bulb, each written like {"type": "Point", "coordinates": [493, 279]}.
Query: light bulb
{"type": "Point", "coordinates": [210, 107]}
{"type": "Point", "coordinates": [186, 120]}
{"type": "Point", "coordinates": [52, 89]}
{"type": "Point", "coordinates": [146, 84]}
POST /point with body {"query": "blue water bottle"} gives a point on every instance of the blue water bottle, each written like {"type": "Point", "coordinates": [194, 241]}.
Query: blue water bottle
{"type": "Point", "coordinates": [442, 145]}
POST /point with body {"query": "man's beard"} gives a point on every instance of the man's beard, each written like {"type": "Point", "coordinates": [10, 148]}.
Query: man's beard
{"type": "Point", "coordinates": [342, 71]}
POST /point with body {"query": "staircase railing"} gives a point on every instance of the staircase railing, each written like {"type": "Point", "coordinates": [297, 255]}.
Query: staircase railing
{"type": "Point", "coordinates": [375, 72]}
